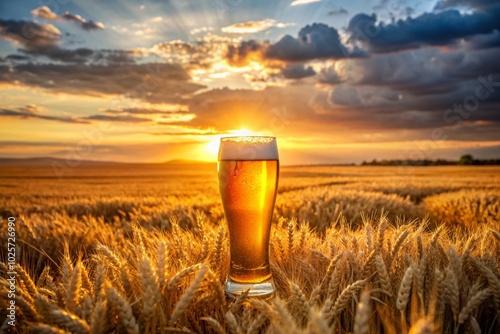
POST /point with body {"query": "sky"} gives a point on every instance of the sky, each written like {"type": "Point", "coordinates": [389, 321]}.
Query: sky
{"type": "Point", "coordinates": [335, 81]}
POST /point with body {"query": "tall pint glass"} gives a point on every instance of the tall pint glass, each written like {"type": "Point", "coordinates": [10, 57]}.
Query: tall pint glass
{"type": "Point", "coordinates": [248, 169]}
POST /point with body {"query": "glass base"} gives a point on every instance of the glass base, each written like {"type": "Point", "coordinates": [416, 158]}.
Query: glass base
{"type": "Point", "coordinates": [263, 289]}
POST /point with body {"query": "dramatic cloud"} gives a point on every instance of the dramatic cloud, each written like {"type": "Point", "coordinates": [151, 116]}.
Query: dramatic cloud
{"type": "Point", "coordinates": [152, 82]}
{"type": "Point", "coordinates": [314, 41]}
{"type": "Point", "coordinates": [239, 55]}
{"type": "Point", "coordinates": [428, 29]}
{"type": "Point", "coordinates": [297, 71]}
{"type": "Point", "coordinates": [34, 111]}
{"type": "Point", "coordinates": [253, 26]}
{"type": "Point", "coordinates": [45, 13]}
{"type": "Point", "coordinates": [16, 57]}
{"type": "Point", "coordinates": [41, 39]}
{"type": "Point", "coordinates": [30, 35]}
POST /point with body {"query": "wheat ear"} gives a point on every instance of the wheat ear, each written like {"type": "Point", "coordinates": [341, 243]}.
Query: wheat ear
{"type": "Point", "coordinates": [124, 311]}
{"type": "Point", "coordinates": [472, 304]}
{"type": "Point", "coordinates": [216, 326]}
{"type": "Point", "coordinates": [346, 294]}
{"type": "Point", "coordinates": [150, 289]}
{"type": "Point", "coordinates": [397, 246]}
{"type": "Point", "coordinates": [188, 296]}
{"type": "Point", "coordinates": [73, 293]}
{"type": "Point", "coordinates": [404, 290]}
{"type": "Point", "coordinates": [98, 318]}
{"type": "Point", "coordinates": [362, 318]}
{"type": "Point", "coordinates": [46, 329]}
{"type": "Point", "coordinates": [232, 324]}
{"type": "Point", "coordinates": [161, 264]}
{"type": "Point", "coordinates": [174, 281]}
{"type": "Point", "coordinates": [70, 322]}
{"type": "Point", "coordinates": [452, 292]}
{"type": "Point", "coordinates": [385, 280]}
{"type": "Point", "coordinates": [301, 302]}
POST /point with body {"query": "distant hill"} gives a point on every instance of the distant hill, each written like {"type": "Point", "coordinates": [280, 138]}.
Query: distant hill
{"type": "Point", "coordinates": [43, 161]}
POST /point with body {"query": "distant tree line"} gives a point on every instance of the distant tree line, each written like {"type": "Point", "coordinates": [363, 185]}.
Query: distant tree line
{"type": "Point", "coordinates": [465, 160]}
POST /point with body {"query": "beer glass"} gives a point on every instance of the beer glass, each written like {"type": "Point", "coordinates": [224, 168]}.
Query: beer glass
{"type": "Point", "coordinates": [248, 170]}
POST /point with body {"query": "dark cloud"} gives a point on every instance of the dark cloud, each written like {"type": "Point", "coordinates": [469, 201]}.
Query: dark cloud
{"type": "Point", "coordinates": [316, 41]}
{"type": "Point", "coordinates": [484, 41]}
{"type": "Point", "coordinates": [15, 57]}
{"type": "Point", "coordinates": [340, 11]}
{"type": "Point", "coordinates": [31, 35]}
{"type": "Point", "coordinates": [33, 111]}
{"type": "Point", "coordinates": [45, 13]}
{"type": "Point", "coordinates": [114, 57]}
{"type": "Point", "coordinates": [42, 40]}
{"type": "Point", "coordinates": [54, 52]}
{"type": "Point", "coordinates": [428, 29]}
{"type": "Point", "coordinates": [152, 82]}
{"type": "Point", "coordinates": [297, 71]}
{"type": "Point", "coordinates": [237, 55]}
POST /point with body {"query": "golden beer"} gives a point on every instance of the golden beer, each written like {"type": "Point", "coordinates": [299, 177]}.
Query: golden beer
{"type": "Point", "coordinates": [248, 181]}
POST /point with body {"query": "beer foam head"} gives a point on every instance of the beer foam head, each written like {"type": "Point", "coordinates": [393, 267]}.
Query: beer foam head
{"type": "Point", "coordinates": [248, 148]}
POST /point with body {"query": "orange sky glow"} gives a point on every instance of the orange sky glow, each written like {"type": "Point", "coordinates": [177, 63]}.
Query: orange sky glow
{"type": "Point", "coordinates": [158, 82]}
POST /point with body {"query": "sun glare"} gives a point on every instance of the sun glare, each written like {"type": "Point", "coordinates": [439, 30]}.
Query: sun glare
{"type": "Point", "coordinates": [211, 147]}
{"type": "Point", "coordinates": [242, 132]}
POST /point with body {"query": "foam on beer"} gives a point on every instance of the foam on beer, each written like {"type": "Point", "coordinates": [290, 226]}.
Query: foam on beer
{"type": "Point", "coordinates": [248, 148]}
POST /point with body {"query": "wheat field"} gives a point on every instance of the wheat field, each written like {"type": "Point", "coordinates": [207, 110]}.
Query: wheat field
{"type": "Point", "coordinates": [144, 249]}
